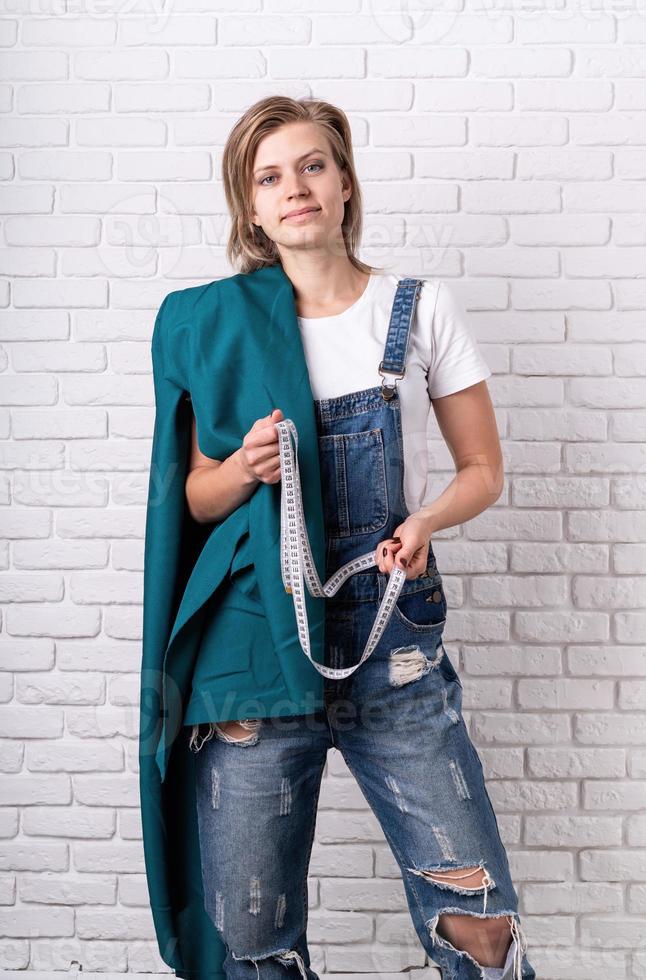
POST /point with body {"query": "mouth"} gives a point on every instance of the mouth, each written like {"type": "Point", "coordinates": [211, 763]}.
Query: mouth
{"type": "Point", "coordinates": [301, 214]}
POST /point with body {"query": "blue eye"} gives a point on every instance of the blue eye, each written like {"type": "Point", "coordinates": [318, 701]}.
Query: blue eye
{"type": "Point", "coordinates": [263, 179]}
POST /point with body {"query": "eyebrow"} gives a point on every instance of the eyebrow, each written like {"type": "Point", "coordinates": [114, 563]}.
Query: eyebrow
{"type": "Point", "coordinates": [270, 166]}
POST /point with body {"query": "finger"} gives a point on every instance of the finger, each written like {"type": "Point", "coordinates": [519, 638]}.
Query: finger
{"type": "Point", "coordinates": [394, 545]}
{"type": "Point", "coordinates": [264, 458]}
{"type": "Point", "coordinates": [268, 421]}
{"type": "Point", "coordinates": [388, 551]}
{"type": "Point", "coordinates": [381, 552]}
{"type": "Point", "coordinates": [264, 442]}
{"type": "Point", "coordinates": [414, 570]}
{"type": "Point", "coordinates": [402, 558]}
{"type": "Point", "coordinates": [416, 565]}
{"type": "Point", "coordinates": [265, 434]}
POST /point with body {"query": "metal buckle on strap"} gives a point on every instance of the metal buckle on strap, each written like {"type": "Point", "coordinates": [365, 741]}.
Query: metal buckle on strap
{"type": "Point", "coordinates": [388, 391]}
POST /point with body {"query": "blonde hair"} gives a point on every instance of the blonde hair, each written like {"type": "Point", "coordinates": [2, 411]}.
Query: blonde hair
{"type": "Point", "coordinates": [248, 247]}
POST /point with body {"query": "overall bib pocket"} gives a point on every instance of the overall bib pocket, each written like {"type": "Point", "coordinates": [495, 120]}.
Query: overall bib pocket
{"type": "Point", "coordinates": [353, 472]}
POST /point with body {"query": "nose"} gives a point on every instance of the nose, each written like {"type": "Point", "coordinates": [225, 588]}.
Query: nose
{"type": "Point", "coordinates": [296, 196]}
{"type": "Point", "coordinates": [298, 189]}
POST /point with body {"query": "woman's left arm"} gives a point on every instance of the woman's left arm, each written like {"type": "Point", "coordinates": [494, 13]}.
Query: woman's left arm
{"type": "Point", "coordinates": [468, 424]}
{"type": "Point", "coordinates": [467, 421]}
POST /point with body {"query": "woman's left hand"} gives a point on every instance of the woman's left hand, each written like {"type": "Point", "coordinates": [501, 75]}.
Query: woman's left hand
{"type": "Point", "coordinates": [408, 549]}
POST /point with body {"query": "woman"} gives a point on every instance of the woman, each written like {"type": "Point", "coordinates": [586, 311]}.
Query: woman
{"type": "Point", "coordinates": [292, 191]}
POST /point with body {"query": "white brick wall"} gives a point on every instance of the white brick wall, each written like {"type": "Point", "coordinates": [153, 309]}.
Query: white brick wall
{"type": "Point", "coordinates": [500, 145]}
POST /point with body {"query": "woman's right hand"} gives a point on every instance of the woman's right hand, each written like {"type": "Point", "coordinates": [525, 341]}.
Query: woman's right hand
{"type": "Point", "coordinates": [259, 455]}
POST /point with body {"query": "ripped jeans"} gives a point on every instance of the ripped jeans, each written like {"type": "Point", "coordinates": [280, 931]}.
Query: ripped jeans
{"type": "Point", "coordinates": [398, 723]}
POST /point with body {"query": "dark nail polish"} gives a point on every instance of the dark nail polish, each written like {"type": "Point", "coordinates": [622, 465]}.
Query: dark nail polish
{"type": "Point", "coordinates": [384, 552]}
{"type": "Point", "coordinates": [404, 562]}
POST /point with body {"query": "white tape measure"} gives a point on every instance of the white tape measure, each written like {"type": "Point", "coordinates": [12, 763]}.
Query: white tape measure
{"type": "Point", "coordinates": [296, 558]}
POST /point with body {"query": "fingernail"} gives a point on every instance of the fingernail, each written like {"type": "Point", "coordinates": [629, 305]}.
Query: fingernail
{"type": "Point", "coordinates": [404, 562]}
{"type": "Point", "coordinates": [395, 539]}
{"type": "Point", "coordinates": [384, 552]}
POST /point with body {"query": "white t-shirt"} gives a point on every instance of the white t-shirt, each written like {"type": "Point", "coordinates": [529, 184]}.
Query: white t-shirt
{"type": "Point", "coordinates": [343, 353]}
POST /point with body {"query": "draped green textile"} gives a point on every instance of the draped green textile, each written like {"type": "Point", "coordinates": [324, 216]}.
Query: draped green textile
{"type": "Point", "coordinates": [231, 350]}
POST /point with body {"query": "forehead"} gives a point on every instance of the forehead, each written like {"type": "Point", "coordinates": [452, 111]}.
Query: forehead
{"type": "Point", "coordinates": [289, 143]}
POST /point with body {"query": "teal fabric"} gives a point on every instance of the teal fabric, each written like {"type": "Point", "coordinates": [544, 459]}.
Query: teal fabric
{"type": "Point", "coordinates": [235, 348]}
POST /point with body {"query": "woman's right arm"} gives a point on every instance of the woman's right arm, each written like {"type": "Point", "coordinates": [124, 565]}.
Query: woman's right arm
{"type": "Point", "coordinates": [215, 487]}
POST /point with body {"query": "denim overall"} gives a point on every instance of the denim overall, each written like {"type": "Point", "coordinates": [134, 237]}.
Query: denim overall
{"type": "Point", "coordinates": [396, 720]}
